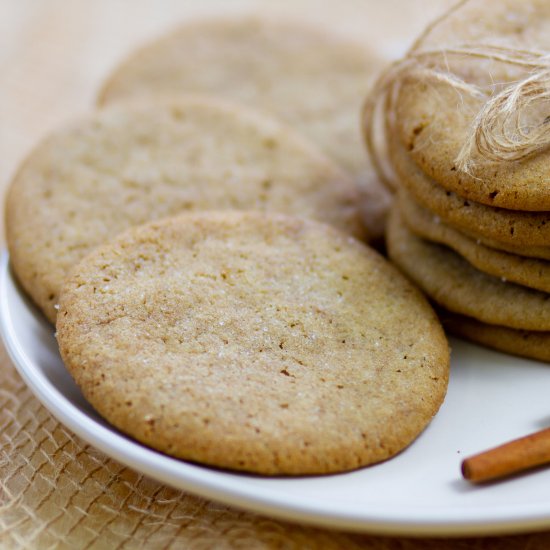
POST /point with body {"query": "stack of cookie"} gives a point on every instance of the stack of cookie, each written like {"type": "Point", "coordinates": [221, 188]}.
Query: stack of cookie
{"type": "Point", "coordinates": [250, 328]}
{"type": "Point", "coordinates": [477, 240]}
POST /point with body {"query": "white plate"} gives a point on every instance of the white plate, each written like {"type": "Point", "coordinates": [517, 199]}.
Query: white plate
{"type": "Point", "coordinates": [492, 398]}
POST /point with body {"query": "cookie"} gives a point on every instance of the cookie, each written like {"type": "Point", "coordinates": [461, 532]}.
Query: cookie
{"type": "Point", "coordinates": [254, 342]}
{"type": "Point", "coordinates": [530, 272]}
{"type": "Point", "coordinates": [525, 343]}
{"type": "Point", "coordinates": [537, 252]}
{"type": "Point", "coordinates": [529, 231]}
{"type": "Point", "coordinates": [313, 80]}
{"type": "Point", "coordinates": [134, 163]}
{"type": "Point", "coordinates": [457, 286]}
{"type": "Point", "coordinates": [433, 118]}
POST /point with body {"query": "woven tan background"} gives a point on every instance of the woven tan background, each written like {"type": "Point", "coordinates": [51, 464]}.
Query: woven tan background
{"type": "Point", "coordinates": [56, 491]}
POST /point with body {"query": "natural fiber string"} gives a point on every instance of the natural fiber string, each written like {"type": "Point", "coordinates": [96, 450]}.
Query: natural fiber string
{"type": "Point", "coordinates": [383, 97]}
{"type": "Point", "coordinates": [499, 132]}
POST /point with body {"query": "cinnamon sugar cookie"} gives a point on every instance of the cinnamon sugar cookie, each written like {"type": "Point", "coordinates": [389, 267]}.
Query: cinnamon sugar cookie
{"type": "Point", "coordinates": [522, 231]}
{"type": "Point", "coordinates": [460, 288]}
{"type": "Point", "coordinates": [312, 79]}
{"type": "Point", "coordinates": [434, 118]}
{"type": "Point", "coordinates": [254, 342]}
{"type": "Point", "coordinates": [525, 343]}
{"type": "Point", "coordinates": [530, 272]}
{"type": "Point", "coordinates": [131, 164]}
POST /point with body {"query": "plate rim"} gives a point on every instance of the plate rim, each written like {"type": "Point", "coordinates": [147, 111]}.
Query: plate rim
{"type": "Point", "coordinates": [207, 482]}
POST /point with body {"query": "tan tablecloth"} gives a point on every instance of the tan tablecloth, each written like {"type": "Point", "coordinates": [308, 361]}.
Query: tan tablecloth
{"type": "Point", "coordinates": [56, 491]}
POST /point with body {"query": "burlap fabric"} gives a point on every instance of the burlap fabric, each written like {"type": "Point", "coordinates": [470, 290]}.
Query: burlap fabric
{"type": "Point", "coordinates": [55, 490]}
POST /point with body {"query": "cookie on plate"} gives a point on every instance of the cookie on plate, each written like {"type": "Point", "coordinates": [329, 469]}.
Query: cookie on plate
{"type": "Point", "coordinates": [134, 163]}
{"type": "Point", "coordinates": [515, 230]}
{"type": "Point", "coordinates": [459, 287]}
{"type": "Point", "coordinates": [254, 342]}
{"type": "Point", "coordinates": [525, 343]}
{"type": "Point", "coordinates": [530, 272]}
{"type": "Point", "coordinates": [307, 76]}
{"type": "Point", "coordinates": [434, 118]}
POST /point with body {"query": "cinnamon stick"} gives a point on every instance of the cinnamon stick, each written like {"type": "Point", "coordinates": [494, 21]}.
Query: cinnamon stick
{"type": "Point", "coordinates": [516, 456]}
